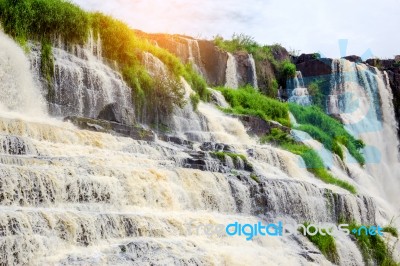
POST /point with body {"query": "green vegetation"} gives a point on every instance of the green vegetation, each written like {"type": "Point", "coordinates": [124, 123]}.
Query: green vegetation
{"type": "Point", "coordinates": [283, 69]}
{"type": "Point", "coordinates": [313, 121]}
{"type": "Point", "coordinates": [194, 99]}
{"type": "Point", "coordinates": [316, 56]}
{"type": "Point", "coordinates": [315, 91]}
{"type": "Point", "coordinates": [248, 101]}
{"type": "Point", "coordinates": [47, 20]}
{"type": "Point", "coordinates": [47, 67]}
{"type": "Point", "coordinates": [254, 177]}
{"type": "Point", "coordinates": [288, 70]}
{"type": "Point", "coordinates": [238, 43]}
{"type": "Point", "coordinates": [311, 158]}
{"type": "Point", "coordinates": [220, 155]}
{"type": "Point", "coordinates": [391, 230]}
{"type": "Point", "coordinates": [44, 19]}
{"type": "Point", "coordinates": [150, 93]}
{"type": "Point", "coordinates": [325, 243]}
{"type": "Point", "coordinates": [373, 248]}
{"type": "Point", "coordinates": [327, 130]}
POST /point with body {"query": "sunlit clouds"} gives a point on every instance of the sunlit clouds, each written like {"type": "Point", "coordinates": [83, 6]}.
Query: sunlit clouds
{"type": "Point", "coordinates": [307, 26]}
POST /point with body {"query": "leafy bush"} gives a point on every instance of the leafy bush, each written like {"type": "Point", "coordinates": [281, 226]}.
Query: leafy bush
{"type": "Point", "coordinates": [325, 243]}
{"type": "Point", "coordinates": [314, 89]}
{"type": "Point", "coordinates": [288, 70]}
{"type": "Point", "coordinates": [248, 101]}
{"type": "Point", "coordinates": [327, 130]}
{"type": "Point", "coordinates": [39, 19]}
{"type": "Point", "coordinates": [239, 42]}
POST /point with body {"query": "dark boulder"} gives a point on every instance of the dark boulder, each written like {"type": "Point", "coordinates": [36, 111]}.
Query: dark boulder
{"type": "Point", "coordinates": [280, 53]}
{"type": "Point", "coordinates": [310, 66]}
{"type": "Point", "coordinates": [382, 64]}
{"type": "Point", "coordinates": [353, 58]}
{"type": "Point", "coordinates": [114, 113]}
{"type": "Point", "coordinates": [244, 68]}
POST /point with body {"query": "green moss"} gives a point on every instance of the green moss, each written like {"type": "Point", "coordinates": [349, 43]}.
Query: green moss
{"type": "Point", "coordinates": [47, 67]}
{"type": "Point", "coordinates": [325, 243]}
{"type": "Point", "coordinates": [327, 130]}
{"type": "Point", "coordinates": [391, 230]}
{"type": "Point", "coordinates": [221, 156]}
{"type": "Point", "coordinates": [194, 99]}
{"type": "Point", "coordinates": [254, 177]}
{"type": "Point", "coordinates": [248, 101]}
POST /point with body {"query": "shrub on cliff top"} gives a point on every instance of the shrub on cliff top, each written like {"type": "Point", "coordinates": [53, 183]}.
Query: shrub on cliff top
{"type": "Point", "coordinates": [38, 19]}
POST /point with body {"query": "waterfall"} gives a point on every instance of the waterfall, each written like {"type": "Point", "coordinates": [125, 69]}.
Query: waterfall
{"type": "Point", "coordinates": [154, 65]}
{"type": "Point", "coordinates": [186, 123]}
{"type": "Point", "coordinates": [231, 74]}
{"type": "Point", "coordinates": [297, 91]}
{"type": "Point", "coordinates": [18, 90]}
{"type": "Point", "coordinates": [362, 97]}
{"type": "Point", "coordinates": [94, 45]}
{"type": "Point", "coordinates": [71, 196]}
{"type": "Point", "coordinates": [82, 83]}
{"type": "Point", "coordinates": [253, 71]}
{"type": "Point", "coordinates": [219, 99]}
{"type": "Point", "coordinates": [193, 54]}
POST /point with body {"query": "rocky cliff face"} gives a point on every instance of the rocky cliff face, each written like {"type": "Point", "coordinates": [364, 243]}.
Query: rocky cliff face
{"type": "Point", "coordinates": [211, 61]}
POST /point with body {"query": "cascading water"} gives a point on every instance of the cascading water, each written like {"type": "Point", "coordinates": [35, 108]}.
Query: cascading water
{"type": "Point", "coordinates": [17, 87]}
{"type": "Point", "coordinates": [297, 91]}
{"type": "Point", "coordinates": [231, 74]}
{"type": "Point", "coordinates": [361, 96]}
{"type": "Point", "coordinates": [154, 65]}
{"type": "Point", "coordinates": [194, 56]}
{"type": "Point", "coordinates": [70, 196]}
{"type": "Point", "coordinates": [254, 81]}
{"type": "Point", "coordinates": [83, 84]}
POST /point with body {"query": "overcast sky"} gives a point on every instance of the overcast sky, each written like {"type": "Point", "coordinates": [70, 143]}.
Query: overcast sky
{"type": "Point", "coordinates": [302, 25]}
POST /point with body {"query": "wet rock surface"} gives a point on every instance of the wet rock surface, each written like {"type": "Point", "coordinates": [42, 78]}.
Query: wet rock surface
{"type": "Point", "coordinates": [98, 125]}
